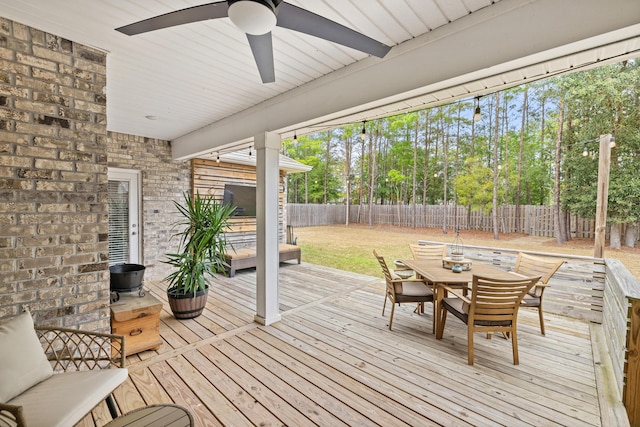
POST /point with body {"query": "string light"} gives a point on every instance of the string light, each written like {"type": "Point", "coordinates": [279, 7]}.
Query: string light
{"type": "Point", "coordinates": [363, 134]}
{"type": "Point", "coordinates": [585, 145]}
{"type": "Point", "coordinates": [477, 115]}
{"type": "Point", "coordinates": [295, 138]}
{"type": "Point", "coordinates": [218, 158]}
{"type": "Point", "coordinates": [249, 151]}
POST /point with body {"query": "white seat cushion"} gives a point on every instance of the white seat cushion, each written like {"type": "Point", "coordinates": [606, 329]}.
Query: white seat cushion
{"type": "Point", "coordinates": [66, 398]}
{"type": "Point", "coordinates": [415, 289]}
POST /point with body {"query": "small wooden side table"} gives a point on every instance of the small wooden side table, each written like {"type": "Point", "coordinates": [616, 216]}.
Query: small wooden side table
{"type": "Point", "coordinates": [138, 319]}
{"type": "Point", "coordinates": [160, 415]}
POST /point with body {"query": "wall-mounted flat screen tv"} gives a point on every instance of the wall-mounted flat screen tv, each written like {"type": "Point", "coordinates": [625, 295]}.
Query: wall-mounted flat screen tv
{"type": "Point", "coordinates": [243, 197]}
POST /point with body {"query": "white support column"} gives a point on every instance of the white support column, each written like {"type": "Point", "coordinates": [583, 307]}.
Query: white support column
{"type": "Point", "coordinates": [267, 146]}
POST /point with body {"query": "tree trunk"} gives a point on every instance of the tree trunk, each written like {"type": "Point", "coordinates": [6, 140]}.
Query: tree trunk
{"type": "Point", "coordinates": [614, 236]}
{"type": "Point", "coordinates": [505, 156]}
{"type": "Point", "coordinates": [542, 123]}
{"type": "Point", "coordinates": [631, 235]}
{"type": "Point", "coordinates": [427, 136]}
{"type": "Point", "coordinates": [456, 224]}
{"type": "Point", "coordinates": [362, 181]}
{"type": "Point", "coordinates": [521, 149]}
{"type": "Point", "coordinates": [415, 170]}
{"type": "Point", "coordinates": [558, 218]}
{"type": "Point", "coordinates": [445, 171]}
{"type": "Point", "coordinates": [326, 167]}
{"type": "Point", "coordinates": [372, 176]}
{"type": "Point", "coordinates": [472, 154]}
{"type": "Point", "coordinates": [567, 224]}
{"type": "Point", "coordinates": [494, 214]}
{"type": "Point", "coordinates": [347, 171]}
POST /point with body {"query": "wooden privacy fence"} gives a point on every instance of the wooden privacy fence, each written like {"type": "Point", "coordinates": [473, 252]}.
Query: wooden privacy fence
{"type": "Point", "coordinates": [533, 220]}
{"type": "Point", "coordinates": [598, 290]}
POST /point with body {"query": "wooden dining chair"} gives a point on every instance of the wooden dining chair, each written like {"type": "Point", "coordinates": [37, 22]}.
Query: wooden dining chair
{"type": "Point", "coordinates": [434, 252]}
{"type": "Point", "coordinates": [493, 307]}
{"type": "Point", "coordinates": [399, 290]}
{"type": "Point", "coordinates": [529, 265]}
{"type": "Point", "coordinates": [428, 252]}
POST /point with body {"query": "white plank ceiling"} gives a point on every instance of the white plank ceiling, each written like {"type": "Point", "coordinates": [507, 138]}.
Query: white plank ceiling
{"type": "Point", "coordinates": [190, 76]}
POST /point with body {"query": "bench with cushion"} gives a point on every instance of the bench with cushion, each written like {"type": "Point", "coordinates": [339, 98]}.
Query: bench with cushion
{"type": "Point", "coordinates": [246, 257]}
{"type": "Point", "coordinates": [54, 377]}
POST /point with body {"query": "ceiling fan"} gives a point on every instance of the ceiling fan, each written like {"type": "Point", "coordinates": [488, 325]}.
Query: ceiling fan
{"type": "Point", "coordinates": [257, 18]}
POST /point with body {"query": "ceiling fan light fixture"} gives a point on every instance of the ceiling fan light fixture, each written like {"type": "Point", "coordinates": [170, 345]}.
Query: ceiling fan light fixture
{"type": "Point", "coordinates": [252, 17]}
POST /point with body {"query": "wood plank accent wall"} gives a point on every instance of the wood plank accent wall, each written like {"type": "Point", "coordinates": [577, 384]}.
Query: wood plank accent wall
{"type": "Point", "coordinates": [622, 332]}
{"type": "Point", "coordinates": [576, 289]}
{"type": "Point", "coordinates": [208, 177]}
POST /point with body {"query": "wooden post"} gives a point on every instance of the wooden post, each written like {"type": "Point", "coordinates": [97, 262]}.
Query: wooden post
{"type": "Point", "coordinates": [603, 194]}
{"type": "Point", "coordinates": [631, 393]}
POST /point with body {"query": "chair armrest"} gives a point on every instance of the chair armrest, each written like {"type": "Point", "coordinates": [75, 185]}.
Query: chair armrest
{"type": "Point", "coordinates": [456, 294]}
{"type": "Point", "coordinates": [16, 412]}
{"type": "Point", "coordinates": [75, 350]}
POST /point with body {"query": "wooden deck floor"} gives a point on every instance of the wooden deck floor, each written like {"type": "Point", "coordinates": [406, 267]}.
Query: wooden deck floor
{"type": "Point", "coordinates": [332, 361]}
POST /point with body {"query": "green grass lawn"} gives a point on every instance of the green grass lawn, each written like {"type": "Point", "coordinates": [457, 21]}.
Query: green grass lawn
{"type": "Point", "coordinates": [351, 248]}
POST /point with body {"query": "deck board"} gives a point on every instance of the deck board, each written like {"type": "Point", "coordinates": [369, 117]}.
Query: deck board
{"type": "Point", "coordinates": [332, 361]}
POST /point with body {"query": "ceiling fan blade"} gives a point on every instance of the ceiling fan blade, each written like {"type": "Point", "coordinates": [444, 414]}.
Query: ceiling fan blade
{"type": "Point", "coordinates": [179, 17]}
{"type": "Point", "coordinates": [262, 48]}
{"type": "Point", "coordinates": [304, 21]}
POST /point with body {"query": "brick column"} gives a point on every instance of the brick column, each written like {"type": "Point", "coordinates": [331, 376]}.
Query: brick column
{"type": "Point", "coordinates": [53, 164]}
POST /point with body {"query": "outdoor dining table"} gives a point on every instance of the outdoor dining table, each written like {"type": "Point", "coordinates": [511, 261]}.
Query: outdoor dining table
{"type": "Point", "coordinates": [434, 272]}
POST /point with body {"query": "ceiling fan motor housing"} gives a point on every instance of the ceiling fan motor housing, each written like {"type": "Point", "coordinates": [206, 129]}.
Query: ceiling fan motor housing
{"type": "Point", "coordinates": [255, 17]}
{"type": "Point", "coordinates": [269, 3]}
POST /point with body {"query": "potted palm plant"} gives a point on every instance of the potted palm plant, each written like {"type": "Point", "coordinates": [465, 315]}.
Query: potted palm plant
{"type": "Point", "coordinates": [201, 252]}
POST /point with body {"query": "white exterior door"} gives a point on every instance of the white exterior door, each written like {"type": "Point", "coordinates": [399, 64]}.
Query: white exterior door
{"type": "Point", "coordinates": [124, 216]}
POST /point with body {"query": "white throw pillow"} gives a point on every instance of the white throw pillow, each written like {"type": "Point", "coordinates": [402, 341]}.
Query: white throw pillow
{"type": "Point", "coordinates": [23, 363]}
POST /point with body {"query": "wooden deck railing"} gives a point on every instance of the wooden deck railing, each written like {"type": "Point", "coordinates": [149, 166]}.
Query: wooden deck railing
{"type": "Point", "coordinates": [622, 331]}
{"type": "Point", "coordinates": [596, 290]}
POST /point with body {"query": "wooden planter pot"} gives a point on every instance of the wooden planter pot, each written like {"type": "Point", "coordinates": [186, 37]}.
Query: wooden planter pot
{"type": "Point", "coordinates": [187, 306]}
